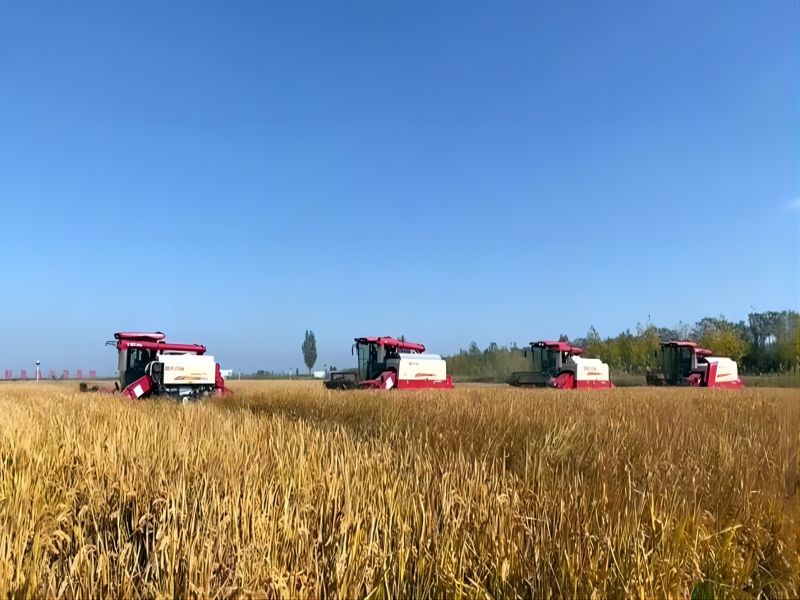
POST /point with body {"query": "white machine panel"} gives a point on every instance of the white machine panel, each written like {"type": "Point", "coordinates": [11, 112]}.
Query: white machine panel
{"type": "Point", "coordinates": [419, 367]}
{"type": "Point", "coordinates": [727, 370]}
{"type": "Point", "coordinates": [188, 369]}
{"type": "Point", "coordinates": [588, 369]}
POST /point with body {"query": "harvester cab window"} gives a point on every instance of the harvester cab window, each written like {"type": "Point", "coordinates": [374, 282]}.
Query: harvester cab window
{"type": "Point", "coordinates": [363, 360]}
{"type": "Point", "coordinates": [372, 359]}
{"type": "Point", "coordinates": [378, 365]}
{"type": "Point", "coordinates": [537, 362]}
{"type": "Point", "coordinates": [544, 360]}
{"type": "Point", "coordinates": [678, 363]}
{"type": "Point", "coordinates": [553, 361]}
{"type": "Point", "coordinates": [136, 360]}
{"type": "Point", "coordinates": [369, 360]}
{"type": "Point", "coordinates": [686, 362]}
{"type": "Point", "coordinates": [549, 360]}
{"type": "Point", "coordinates": [671, 368]}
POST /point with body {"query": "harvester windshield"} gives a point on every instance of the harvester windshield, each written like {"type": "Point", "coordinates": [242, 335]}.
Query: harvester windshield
{"type": "Point", "coordinates": [678, 363]}
{"type": "Point", "coordinates": [371, 360]}
{"type": "Point", "coordinates": [544, 360]}
{"type": "Point", "coordinates": [132, 363]}
{"type": "Point", "coordinates": [681, 359]}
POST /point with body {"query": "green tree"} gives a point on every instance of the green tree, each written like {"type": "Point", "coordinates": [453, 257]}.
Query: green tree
{"type": "Point", "coordinates": [786, 340]}
{"type": "Point", "coordinates": [309, 348]}
{"type": "Point", "coordinates": [797, 343]}
{"type": "Point", "coordinates": [647, 345]}
{"type": "Point", "coordinates": [593, 343]}
{"type": "Point", "coordinates": [725, 341]}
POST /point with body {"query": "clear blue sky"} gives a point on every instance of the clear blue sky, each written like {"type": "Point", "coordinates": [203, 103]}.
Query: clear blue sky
{"type": "Point", "coordinates": [235, 173]}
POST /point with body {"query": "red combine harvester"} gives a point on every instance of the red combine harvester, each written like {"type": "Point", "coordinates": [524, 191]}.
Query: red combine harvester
{"type": "Point", "coordinates": [385, 363]}
{"type": "Point", "coordinates": [685, 363]}
{"type": "Point", "coordinates": [149, 365]}
{"type": "Point", "coordinates": [559, 365]}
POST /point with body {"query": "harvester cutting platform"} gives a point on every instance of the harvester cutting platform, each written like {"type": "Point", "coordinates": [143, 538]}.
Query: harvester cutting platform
{"type": "Point", "coordinates": [385, 363]}
{"type": "Point", "coordinates": [149, 365]}
{"type": "Point", "coordinates": [685, 363]}
{"type": "Point", "coordinates": [560, 365]}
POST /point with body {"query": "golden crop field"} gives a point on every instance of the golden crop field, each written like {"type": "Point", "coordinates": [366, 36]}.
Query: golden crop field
{"type": "Point", "coordinates": [287, 490]}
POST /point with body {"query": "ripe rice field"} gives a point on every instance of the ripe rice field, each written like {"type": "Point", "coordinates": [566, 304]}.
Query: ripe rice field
{"type": "Point", "coordinates": [287, 490]}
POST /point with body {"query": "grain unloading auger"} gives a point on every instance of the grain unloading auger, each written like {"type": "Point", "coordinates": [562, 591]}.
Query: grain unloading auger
{"type": "Point", "coordinates": [560, 365]}
{"type": "Point", "coordinates": [685, 363]}
{"type": "Point", "coordinates": [149, 365]}
{"type": "Point", "coordinates": [385, 363]}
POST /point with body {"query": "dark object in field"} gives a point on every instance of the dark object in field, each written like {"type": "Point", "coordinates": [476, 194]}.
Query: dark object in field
{"type": "Point", "coordinates": [342, 380]}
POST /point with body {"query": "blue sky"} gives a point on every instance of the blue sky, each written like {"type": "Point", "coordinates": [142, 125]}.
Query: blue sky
{"type": "Point", "coordinates": [235, 173]}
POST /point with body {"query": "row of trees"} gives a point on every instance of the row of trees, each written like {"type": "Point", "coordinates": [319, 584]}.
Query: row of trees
{"type": "Point", "coordinates": [495, 363]}
{"type": "Point", "coordinates": [767, 342]}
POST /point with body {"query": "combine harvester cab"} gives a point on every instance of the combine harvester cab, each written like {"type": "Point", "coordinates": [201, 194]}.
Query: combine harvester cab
{"type": "Point", "coordinates": [385, 363]}
{"type": "Point", "coordinates": [151, 366]}
{"type": "Point", "coordinates": [560, 365]}
{"type": "Point", "coordinates": [684, 363]}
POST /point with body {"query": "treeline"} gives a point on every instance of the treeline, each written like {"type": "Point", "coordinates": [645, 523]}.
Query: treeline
{"type": "Point", "coordinates": [263, 374]}
{"type": "Point", "coordinates": [767, 342]}
{"type": "Point", "coordinates": [495, 363]}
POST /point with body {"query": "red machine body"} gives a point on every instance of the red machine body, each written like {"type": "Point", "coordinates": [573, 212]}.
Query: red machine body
{"type": "Point", "coordinates": [386, 363]}
{"type": "Point", "coordinates": [686, 363]}
{"type": "Point", "coordinates": [560, 365]}
{"type": "Point", "coordinates": [149, 365]}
